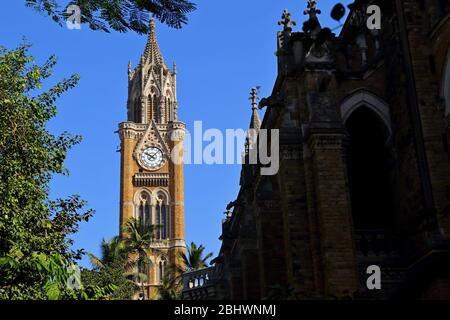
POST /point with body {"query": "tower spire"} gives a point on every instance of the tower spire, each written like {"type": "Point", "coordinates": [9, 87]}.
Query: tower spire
{"type": "Point", "coordinates": [152, 51]}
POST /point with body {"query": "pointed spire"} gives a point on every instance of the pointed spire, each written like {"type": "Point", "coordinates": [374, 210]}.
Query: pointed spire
{"type": "Point", "coordinates": [152, 51]}
{"type": "Point", "coordinates": [130, 71]}
{"type": "Point", "coordinates": [255, 122]}
{"type": "Point", "coordinates": [174, 68]}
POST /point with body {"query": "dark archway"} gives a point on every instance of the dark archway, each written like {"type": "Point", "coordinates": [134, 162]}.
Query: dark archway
{"type": "Point", "coordinates": [368, 166]}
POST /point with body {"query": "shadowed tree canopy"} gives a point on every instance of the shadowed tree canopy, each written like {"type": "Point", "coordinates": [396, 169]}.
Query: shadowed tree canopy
{"type": "Point", "coordinates": [118, 15]}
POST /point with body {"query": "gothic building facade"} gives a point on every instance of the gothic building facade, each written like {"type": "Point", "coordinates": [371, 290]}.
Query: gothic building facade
{"type": "Point", "coordinates": [364, 177]}
{"type": "Point", "coordinates": [152, 181]}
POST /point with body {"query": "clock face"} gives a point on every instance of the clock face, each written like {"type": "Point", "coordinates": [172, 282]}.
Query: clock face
{"type": "Point", "coordinates": [152, 157]}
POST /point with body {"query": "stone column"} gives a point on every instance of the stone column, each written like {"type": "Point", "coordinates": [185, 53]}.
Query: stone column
{"type": "Point", "coordinates": [176, 186]}
{"type": "Point", "coordinates": [126, 172]}
{"type": "Point", "coordinates": [330, 213]}
{"type": "Point", "coordinates": [333, 213]}
{"type": "Point", "coordinates": [177, 183]}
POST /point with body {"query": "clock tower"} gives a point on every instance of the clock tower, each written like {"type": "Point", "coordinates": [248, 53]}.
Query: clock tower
{"type": "Point", "coordinates": [152, 181]}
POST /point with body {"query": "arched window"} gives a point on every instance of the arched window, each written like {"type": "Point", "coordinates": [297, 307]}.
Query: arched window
{"type": "Point", "coordinates": [161, 270]}
{"type": "Point", "coordinates": [153, 102]}
{"type": "Point", "coordinates": [143, 207]}
{"type": "Point", "coordinates": [162, 217]}
{"type": "Point", "coordinates": [369, 167]}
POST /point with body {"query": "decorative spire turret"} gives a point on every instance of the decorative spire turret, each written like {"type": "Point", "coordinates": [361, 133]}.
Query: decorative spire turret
{"type": "Point", "coordinates": [152, 51]}
{"type": "Point", "coordinates": [255, 122]}
{"type": "Point", "coordinates": [130, 71]}
{"type": "Point", "coordinates": [174, 68]}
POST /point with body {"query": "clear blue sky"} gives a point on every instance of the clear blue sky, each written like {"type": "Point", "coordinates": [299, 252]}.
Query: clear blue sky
{"type": "Point", "coordinates": [227, 47]}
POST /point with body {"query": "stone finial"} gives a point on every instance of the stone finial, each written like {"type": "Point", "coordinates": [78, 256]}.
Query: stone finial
{"type": "Point", "coordinates": [254, 97]}
{"type": "Point", "coordinates": [174, 68]}
{"type": "Point", "coordinates": [286, 21]}
{"type": "Point", "coordinates": [312, 8]}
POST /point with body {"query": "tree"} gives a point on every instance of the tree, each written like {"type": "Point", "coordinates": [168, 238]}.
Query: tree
{"type": "Point", "coordinates": [119, 15]}
{"type": "Point", "coordinates": [170, 288]}
{"type": "Point", "coordinates": [113, 250]}
{"type": "Point", "coordinates": [110, 268]}
{"type": "Point", "coordinates": [138, 243]}
{"type": "Point", "coordinates": [34, 230]}
{"type": "Point", "coordinates": [195, 258]}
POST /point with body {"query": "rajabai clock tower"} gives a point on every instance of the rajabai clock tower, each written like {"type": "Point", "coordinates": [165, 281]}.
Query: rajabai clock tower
{"type": "Point", "coordinates": [152, 180]}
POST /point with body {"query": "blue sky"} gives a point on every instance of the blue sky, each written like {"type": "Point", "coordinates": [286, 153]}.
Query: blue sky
{"type": "Point", "coordinates": [227, 47]}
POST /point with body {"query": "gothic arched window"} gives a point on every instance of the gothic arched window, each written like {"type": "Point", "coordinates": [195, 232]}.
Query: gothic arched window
{"type": "Point", "coordinates": [162, 222]}
{"type": "Point", "coordinates": [161, 270]}
{"type": "Point", "coordinates": [169, 106]}
{"type": "Point", "coordinates": [153, 101]}
{"type": "Point", "coordinates": [369, 167]}
{"type": "Point", "coordinates": [143, 208]}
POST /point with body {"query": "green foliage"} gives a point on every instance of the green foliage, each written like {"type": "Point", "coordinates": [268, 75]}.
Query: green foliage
{"type": "Point", "coordinates": [110, 268]}
{"type": "Point", "coordinates": [138, 245]}
{"type": "Point", "coordinates": [119, 15]}
{"type": "Point", "coordinates": [195, 259]}
{"type": "Point", "coordinates": [34, 230]}
{"type": "Point", "coordinates": [113, 272]}
{"type": "Point", "coordinates": [55, 275]}
{"type": "Point", "coordinates": [170, 288]}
